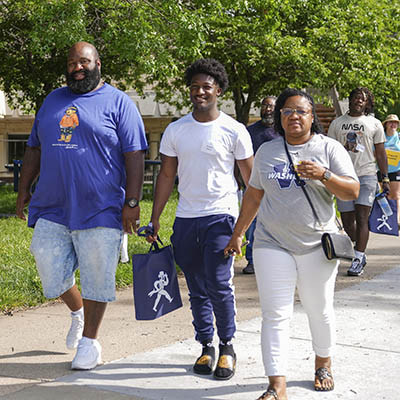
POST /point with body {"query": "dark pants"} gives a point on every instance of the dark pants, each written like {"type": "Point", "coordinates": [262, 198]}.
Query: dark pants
{"type": "Point", "coordinates": [250, 238]}
{"type": "Point", "coordinates": [198, 249]}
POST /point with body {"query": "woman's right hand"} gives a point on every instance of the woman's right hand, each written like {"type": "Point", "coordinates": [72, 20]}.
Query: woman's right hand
{"type": "Point", "coordinates": [234, 246]}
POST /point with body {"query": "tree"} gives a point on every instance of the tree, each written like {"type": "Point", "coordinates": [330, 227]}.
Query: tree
{"type": "Point", "coordinates": [32, 47]}
{"type": "Point", "coordinates": [35, 36]}
{"type": "Point", "coordinates": [265, 45]}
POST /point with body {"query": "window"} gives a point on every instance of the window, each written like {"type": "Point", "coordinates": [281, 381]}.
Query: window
{"type": "Point", "coordinates": [16, 147]}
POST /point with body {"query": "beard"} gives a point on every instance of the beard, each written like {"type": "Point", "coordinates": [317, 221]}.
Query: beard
{"type": "Point", "coordinates": [268, 119]}
{"type": "Point", "coordinates": [85, 85]}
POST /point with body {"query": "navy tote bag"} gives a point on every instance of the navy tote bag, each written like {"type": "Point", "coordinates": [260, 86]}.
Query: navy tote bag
{"type": "Point", "coordinates": [155, 283]}
{"type": "Point", "coordinates": [378, 222]}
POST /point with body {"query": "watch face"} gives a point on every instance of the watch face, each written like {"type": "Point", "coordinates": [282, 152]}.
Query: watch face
{"type": "Point", "coordinates": [327, 174]}
{"type": "Point", "coordinates": [133, 203]}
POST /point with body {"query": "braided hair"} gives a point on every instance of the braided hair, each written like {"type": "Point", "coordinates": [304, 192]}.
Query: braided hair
{"type": "Point", "coordinates": [369, 107]}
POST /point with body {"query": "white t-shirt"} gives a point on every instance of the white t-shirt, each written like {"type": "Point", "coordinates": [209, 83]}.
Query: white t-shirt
{"type": "Point", "coordinates": [361, 134]}
{"type": "Point", "coordinates": [206, 153]}
{"type": "Point", "coordinates": [285, 218]}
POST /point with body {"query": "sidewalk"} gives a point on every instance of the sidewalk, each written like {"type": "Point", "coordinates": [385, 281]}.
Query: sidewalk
{"type": "Point", "coordinates": [154, 359]}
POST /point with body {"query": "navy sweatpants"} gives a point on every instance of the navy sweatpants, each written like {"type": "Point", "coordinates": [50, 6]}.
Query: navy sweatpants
{"type": "Point", "coordinates": [198, 245]}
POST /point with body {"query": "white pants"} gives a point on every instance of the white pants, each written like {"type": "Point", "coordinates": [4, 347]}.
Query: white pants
{"type": "Point", "coordinates": [277, 273]}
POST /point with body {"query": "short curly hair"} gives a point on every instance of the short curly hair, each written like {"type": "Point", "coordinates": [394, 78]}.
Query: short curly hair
{"type": "Point", "coordinates": [208, 66]}
{"type": "Point", "coordinates": [369, 107]}
{"type": "Point", "coordinates": [316, 126]}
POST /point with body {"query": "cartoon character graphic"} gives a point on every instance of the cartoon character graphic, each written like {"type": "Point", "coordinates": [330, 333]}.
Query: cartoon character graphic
{"type": "Point", "coordinates": [353, 142]}
{"type": "Point", "coordinates": [67, 124]}
{"type": "Point", "coordinates": [159, 289]}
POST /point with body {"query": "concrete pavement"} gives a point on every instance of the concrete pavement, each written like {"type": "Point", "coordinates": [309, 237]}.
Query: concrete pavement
{"type": "Point", "coordinates": [153, 360]}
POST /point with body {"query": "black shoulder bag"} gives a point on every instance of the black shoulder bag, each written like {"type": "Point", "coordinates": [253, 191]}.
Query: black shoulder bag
{"type": "Point", "coordinates": [335, 245]}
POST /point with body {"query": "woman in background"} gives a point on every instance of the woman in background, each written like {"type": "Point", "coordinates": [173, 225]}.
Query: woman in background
{"type": "Point", "coordinates": [392, 142]}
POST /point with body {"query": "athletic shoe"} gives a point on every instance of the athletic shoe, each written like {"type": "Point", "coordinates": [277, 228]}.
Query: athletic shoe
{"type": "Point", "coordinates": [75, 332]}
{"type": "Point", "coordinates": [357, 267]}
{"type": "Point", "coordinates": [88, 355]}
{"type": "Point", "coordinates": [248, 269]}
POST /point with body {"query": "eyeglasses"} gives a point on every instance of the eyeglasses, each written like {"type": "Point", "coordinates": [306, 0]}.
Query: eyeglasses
{"type": "Point", "coordinates": [286, 112]}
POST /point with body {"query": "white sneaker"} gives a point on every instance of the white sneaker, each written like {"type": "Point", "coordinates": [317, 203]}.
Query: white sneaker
{"type": "Point", "coordinates": [88, 355]}
{"type": "Point", "coordinates": [75, 332]}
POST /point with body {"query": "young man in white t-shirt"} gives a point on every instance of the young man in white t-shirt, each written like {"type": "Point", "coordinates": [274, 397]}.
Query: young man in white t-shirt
{"type": "Point", "coordinates": [202, 148]}
{"type": "Point", "coordinates": [362, 135]}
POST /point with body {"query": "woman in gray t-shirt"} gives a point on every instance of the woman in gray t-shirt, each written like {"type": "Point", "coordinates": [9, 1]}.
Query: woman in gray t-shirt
{"type": "Point", "coordinates": [287, 246]}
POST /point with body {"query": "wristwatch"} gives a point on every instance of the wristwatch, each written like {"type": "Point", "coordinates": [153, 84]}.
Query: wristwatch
{"type": "Point", "coordinates": [327, 175]}
{"type": "Point", "coordinates": [132, 202]}
{"type": "Point", "coordinates": [385, 179]}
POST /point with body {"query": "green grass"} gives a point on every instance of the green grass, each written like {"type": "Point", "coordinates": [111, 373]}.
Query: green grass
{"type": "Point", "coordinates": [20, 285]}
{"type": "Point", "coordinates": [7, 199]}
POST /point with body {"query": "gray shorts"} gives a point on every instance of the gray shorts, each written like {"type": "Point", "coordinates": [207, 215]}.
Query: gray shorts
{"type": "Point", "coordinates": [368, 189]}
{"type": "Point", "coordinates": [59, 252]}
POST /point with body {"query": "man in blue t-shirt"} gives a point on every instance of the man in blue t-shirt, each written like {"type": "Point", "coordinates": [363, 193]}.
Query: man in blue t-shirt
{"type": "Point", "coordinates": [261, 131]}
{"type": "Point", "coordinates": [87, 143]}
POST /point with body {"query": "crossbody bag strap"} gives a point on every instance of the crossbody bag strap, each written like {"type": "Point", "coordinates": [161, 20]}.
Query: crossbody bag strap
{"type": "Point", "coordinates": [301, 183]}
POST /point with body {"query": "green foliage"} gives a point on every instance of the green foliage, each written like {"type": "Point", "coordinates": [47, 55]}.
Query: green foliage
{"type": "Point", "coordinates": [8, 199]}
{"type": "Point", "coordinates": [35, 36]}
{"type": "Point", "coordinates": [266, 45]}
{"type": "Point", "coordinates": [20, 285]}
{"type": "Point", "coordinates": [19, 282]}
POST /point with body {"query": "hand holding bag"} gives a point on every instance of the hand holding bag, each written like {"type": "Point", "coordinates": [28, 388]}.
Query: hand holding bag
{"type": "Point", "coordinates": [336, 245]}
{"type": "Point", "coordinates": [155, 283]}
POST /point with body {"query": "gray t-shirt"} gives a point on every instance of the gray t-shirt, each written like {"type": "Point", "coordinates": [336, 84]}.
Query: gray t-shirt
{"type": "Point", "coordinates": [359, 134]}
{"type": "Point", "coordinates": [285, 219]}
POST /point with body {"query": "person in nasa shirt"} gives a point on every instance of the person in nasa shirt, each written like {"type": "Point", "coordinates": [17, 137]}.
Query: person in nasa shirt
{"type": "Point", "coordinates": [361, 134]}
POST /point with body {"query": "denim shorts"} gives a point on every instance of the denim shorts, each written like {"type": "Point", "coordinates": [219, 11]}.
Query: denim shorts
{"type": "Point", "coordinates": [59, 252]}
{"type": "Point", "coordinates": [368, 188]}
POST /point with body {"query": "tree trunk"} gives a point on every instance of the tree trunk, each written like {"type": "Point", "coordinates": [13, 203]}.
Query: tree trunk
{"type": "Point", "coordinates": [243, 104]}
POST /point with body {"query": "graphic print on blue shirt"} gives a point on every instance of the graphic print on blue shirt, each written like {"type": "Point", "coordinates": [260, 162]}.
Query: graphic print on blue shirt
{"type": "Point", "coordinates": [284, 176]}
{"type": "Point", "coordinates": [68, 123]}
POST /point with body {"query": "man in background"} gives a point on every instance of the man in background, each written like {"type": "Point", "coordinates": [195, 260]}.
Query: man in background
{"type": "Point", "coordinates": [260, 132]}
{"type": "Point", "coordinates": [363, 137]}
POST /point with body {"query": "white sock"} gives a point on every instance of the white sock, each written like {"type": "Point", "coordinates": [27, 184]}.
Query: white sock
{"type": "Point", "coordinates": [78, 313]}
{"type": "Point", "coordinates": [359, 254]}
{"type": "Point", "coordinates": [88, 340]}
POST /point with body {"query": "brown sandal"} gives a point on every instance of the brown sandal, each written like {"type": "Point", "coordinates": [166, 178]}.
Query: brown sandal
{"type": "Point", "coordinates": [270, 394]}
{"type": "Point", "coordinates": [322, 374]}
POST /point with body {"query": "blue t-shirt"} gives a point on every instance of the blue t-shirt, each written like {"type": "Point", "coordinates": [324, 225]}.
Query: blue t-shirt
{"type": "Point", "coordinates": [393, 143]}
{"type": "Point", "coordinates": [260, 134]}
{"type": "Point", "coordinates": [83, 138]}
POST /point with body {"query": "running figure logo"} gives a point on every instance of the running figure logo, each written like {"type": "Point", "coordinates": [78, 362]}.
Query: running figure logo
{"type": "Point", "coordinates": [67, 124]}
{"type": "Point", "coordinates": [159, 289]}
{"type": "Point", "coordinates": [384, 223]}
